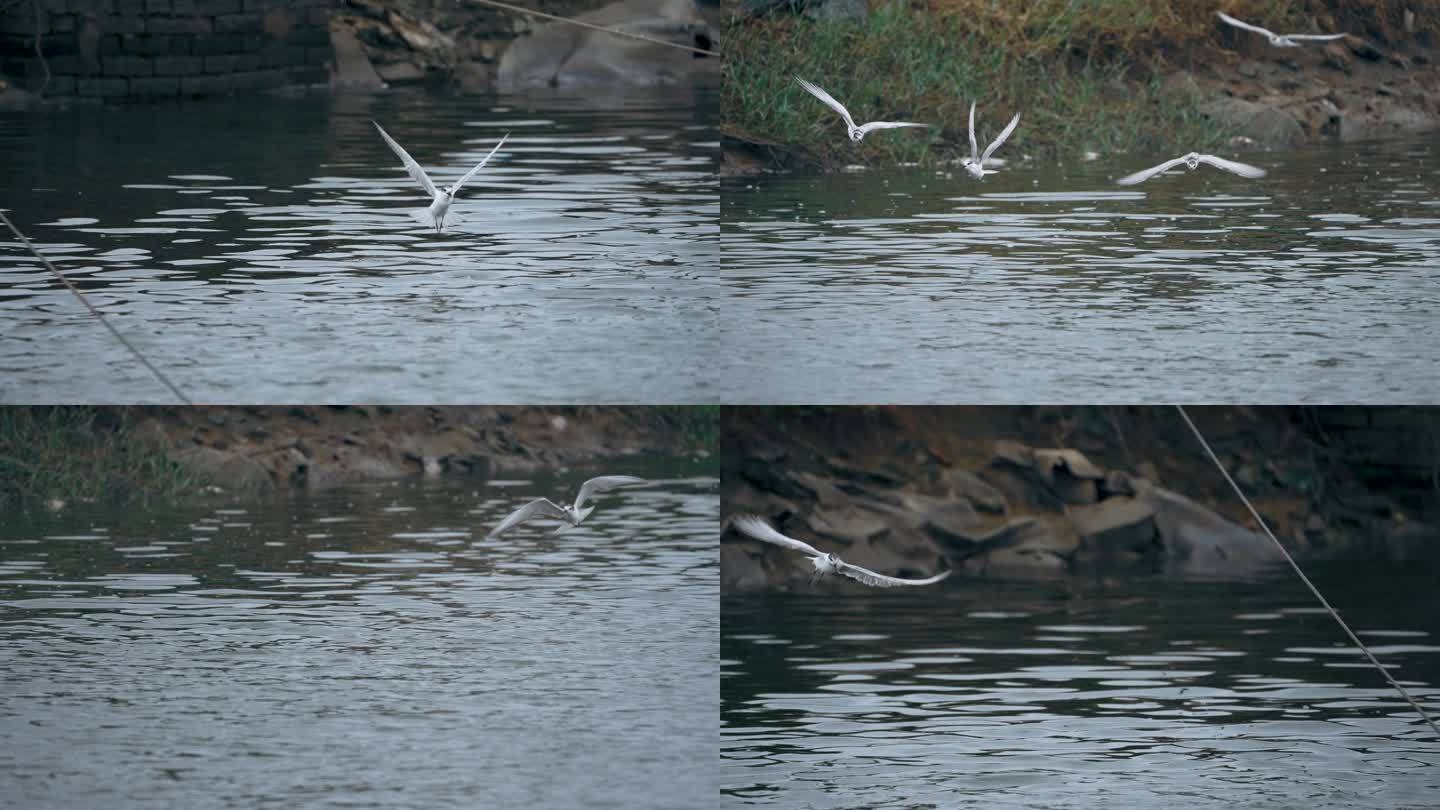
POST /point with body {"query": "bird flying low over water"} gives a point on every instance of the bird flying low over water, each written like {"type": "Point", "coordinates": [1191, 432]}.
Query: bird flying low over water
{"type": "Point", "coordinates": [856, 133]}
{"type": "Point", "coordinates": [571, 515]}
{"type": "Point", "coordinates": [441, 198]}
{"type": "Point", "coordinates": [975, 164]}
{"type": "Point", "coordinates": [756, 527]}
{"type": "Point", "coordinates": [1278, 40]}
{"type": "Point", "coordinates": [1191, 161]}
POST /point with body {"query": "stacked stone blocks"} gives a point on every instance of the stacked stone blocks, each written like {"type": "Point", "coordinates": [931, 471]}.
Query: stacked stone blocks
{"type": "Point", "coordinates": [148, 48]}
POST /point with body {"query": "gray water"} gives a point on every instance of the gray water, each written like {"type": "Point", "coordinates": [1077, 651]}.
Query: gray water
{"type": "Point", "coordinates": [1318, 283]}
{"type": "Point", "coordinates": [262, 249]}
{"type": "Point", "coordinates": [1134, 694]}
{"type": "Point", "coordinates": [365, 647]}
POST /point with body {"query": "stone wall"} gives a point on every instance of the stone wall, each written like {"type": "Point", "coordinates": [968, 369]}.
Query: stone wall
{"type": "Point", "coordinates": [157, 48]}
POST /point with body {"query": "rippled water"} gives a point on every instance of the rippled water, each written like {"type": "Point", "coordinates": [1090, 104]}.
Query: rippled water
{"type": "Point", "coordinates": [365, 648]}
{"type": "Point", "coordinates": [263, 250]}
{"type": "Point", "coordinates": [1320, 283]}
{"type": "Point", "coordinates": [1142, 694]}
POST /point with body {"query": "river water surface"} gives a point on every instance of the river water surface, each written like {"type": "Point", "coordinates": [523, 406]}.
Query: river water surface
{"type": "Point", "coordinates": [366, 647]}
{"type": "Point", "coordinates": [262, 249]}
{"type": "Point", "coordinates": [1318, 283]}
{"type": "Point", "coordinates": [1135, 694]}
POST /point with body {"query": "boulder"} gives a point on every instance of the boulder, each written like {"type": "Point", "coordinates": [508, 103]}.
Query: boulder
{"type": "Point", "coordinates": [822, 489]}
{"type": "Point", "coordinates": [1019, 563]}
{"type": "Point", "coordinates": [563, 55]}
{"type": "Point", "coordinates": [1197, 540]}
{"type": "Point", "coordinates": [1119, 524]}
{"type": "Point", "coordinates": [401, 72]}
{"type": "Point", "coordinates": [228, 470]}
{"type": "Point", "coordinates": [1069, 475]}
{"type": "Point", "coordinates": [973, 488]}
{"type": "Point", "coordinates": [1262, 123]}
{"type": "Point", "coordinates": [944, 516]}
{"type": "Point", "coordinates": [846, 525]}
{"type": "Point", "coordinates": [740, 569]}
{"type": "Point", "coordinates": [352, 69]}
{"type": "Point", "coordinates": [1360, 124]}
{"type": "Point", "coordinates": [959, 546]}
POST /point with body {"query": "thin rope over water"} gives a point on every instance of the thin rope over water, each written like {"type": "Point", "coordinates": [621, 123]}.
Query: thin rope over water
{"type": "Point", "coordinates": [98, 315]}
{"type": "Point", "coordinates": [1301, 574]}
{"type": "Point", "coordinates": [617, 32]}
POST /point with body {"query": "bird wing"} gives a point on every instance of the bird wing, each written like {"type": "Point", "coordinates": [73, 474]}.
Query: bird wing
{"type": "Point", "coordinates": [828, 99]}
{"type": "Point", "coordinates": [757, 528]}
{"type": "Point", "coordinates": [1242, 169]}
{"type": "Point", "coordinates": [974, 147]}
{"type": "Point", "coordinates": [410, 165]}
{"type": "Point", "coordinates": [869, 577]}
{"type": "Point", "coordinates": [1316, 37]}
{"type": "Point", "coordinates": [604, 483]}
{"type": "Point", "coordinates": [540, 507]}
{"type": "Point", "coordinates": [1247, 26]}
{"type": "Point", "coordinates": [458, 183]}
{"type": "Point", "coordinates": [1146, 174]}
{"type": "Point", "coordinates": [874, 125]}
{"type": "Point", "coordinates": [995, 144]}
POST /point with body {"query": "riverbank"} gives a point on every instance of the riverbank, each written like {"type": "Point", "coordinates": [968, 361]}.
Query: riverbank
{"type": "Point", "coordinates": [1060, 491]}
{"type": "Point", "coordinates": [54, 53]}
{"type": "Point", "coordinates": [54, 456]}
{"type": "Point", "coordinates": [479, 48]}
{"type": "Point", "coordinates": [1140, 76]}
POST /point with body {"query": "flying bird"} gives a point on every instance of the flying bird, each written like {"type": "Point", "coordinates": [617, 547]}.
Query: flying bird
{"type": "Point", "coordinates": [441, 198]}
{"type": "Point", "coordinates": [1278, 40]}
{"type": "Point", "coordinates": [856, 133]}
{"type": "Point", "coordinates": [1191, 161]}
{"type": "Point", "coordinates": [975, 164]}
{"type": "Point", "coordinates": [757, 528]}
{"type": "Point", "coordinates": [571, 515]}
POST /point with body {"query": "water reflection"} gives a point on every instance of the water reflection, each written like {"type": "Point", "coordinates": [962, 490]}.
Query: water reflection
{"type": "Point", "coordinates": [1315, 284]}
{"type": "Point", "coordinates": [1154, 694]}
{"type": "Point", "coordinates": [281, 261]}
{"type": "Point", "coordinates": [365, 647]}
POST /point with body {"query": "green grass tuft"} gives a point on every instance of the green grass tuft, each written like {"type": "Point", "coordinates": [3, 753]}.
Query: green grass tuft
{"type": "Point", "coordinates": [1083, 74]}
{"type": "Point", "coordinates": [81, 454]}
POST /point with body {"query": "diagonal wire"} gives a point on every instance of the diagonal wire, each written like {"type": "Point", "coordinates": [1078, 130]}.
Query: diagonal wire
{"type": "Point", "coordinates": [1358, 643]}
{"type": "Point", "coordinates": [98, 315]}
{"type": "Point", "coordinates": [615, 31]}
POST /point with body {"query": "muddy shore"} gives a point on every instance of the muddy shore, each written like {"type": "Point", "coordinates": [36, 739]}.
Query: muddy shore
{"type": "Point", "coordinates": [254, 449]}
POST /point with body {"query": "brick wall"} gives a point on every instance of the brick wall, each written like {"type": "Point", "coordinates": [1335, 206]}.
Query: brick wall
{"type": "Point", "coordinates": [140, 48]}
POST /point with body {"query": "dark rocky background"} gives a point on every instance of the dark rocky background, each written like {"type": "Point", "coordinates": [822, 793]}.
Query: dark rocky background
{"type": "Point", "coordinates": [1065, 491]}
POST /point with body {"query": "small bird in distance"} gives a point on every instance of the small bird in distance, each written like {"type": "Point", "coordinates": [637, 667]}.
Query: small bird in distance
{"type": "Point", "coordinates": [756, 527]}
{"type": "Point", "coordinates": [856, 133]}
{"type": "Point", "coordinates": [572, 515]}
{"type": "Point", "coordinates": [1278, 40]}
{"type": "Point", "coordinates": [441, 198]}
{"type": "Point", "coordinates": [975, 164]}
{"type": "Point", "coordinates": [1191, 161]}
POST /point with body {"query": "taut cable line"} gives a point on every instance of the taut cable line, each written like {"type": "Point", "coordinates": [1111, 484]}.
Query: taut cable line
{"type": "Point", "coordinates": [1263, 525]}
{"type": "Point", "coordinates": [97, 313]}
{"type": "Point", "coordinates": [617, 32]}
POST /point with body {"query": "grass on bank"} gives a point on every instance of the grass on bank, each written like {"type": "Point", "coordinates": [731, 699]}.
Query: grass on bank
{"type": "Point", "coordinates": [1083, 74]}
{"type": "Point", "coordinates": [81, 454]}
{"type": "Point", "coordinates": [697, 426]}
